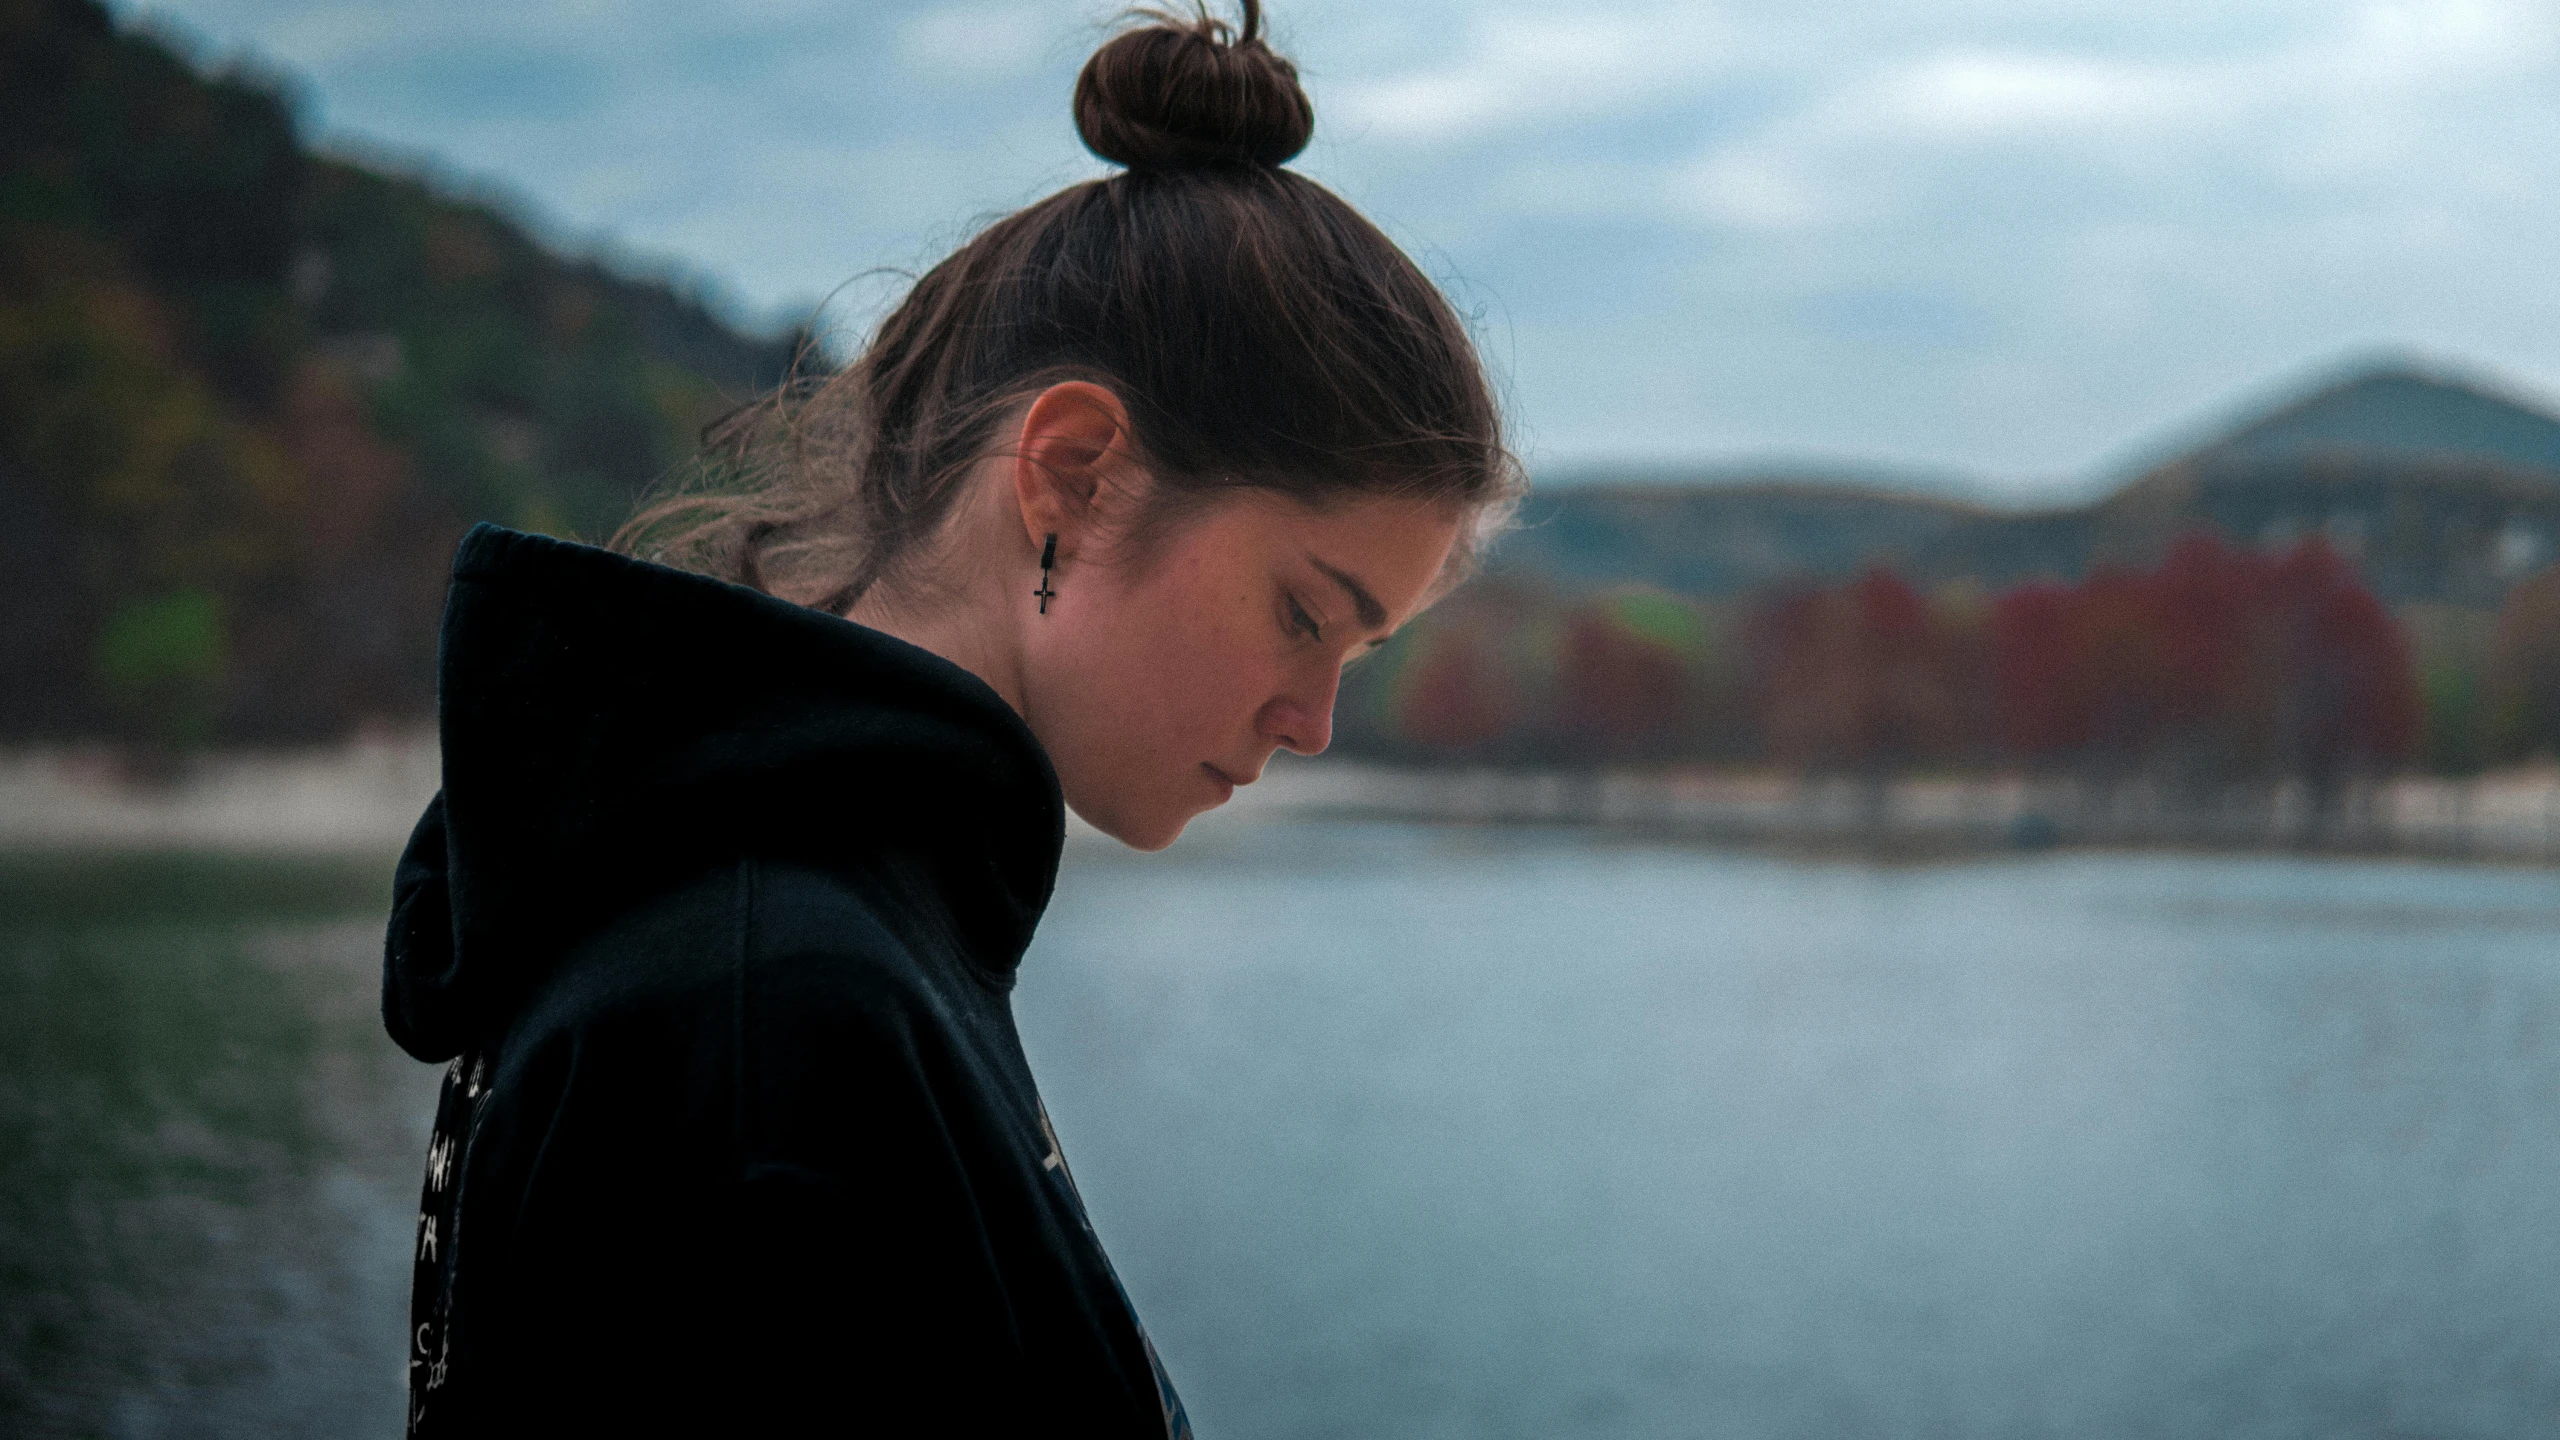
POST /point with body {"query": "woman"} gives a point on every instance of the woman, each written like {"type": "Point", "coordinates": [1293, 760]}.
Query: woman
{"type": "Point", "coordinates": [718, 911]}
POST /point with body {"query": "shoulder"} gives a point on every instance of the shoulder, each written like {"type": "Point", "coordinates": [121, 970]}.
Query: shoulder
{"type": "Point", "coordinates": [850, 916]}
{"type": "Point", "coordinates": [783, 959]}
{"type": "Point", "coordinates": [887, 921]}
{"type": "Point", "coordinates": [866, 1049]}
{"type": "Point", "coordinates": [778, 977]}
{"type": "Point", "coordinates": [686, 946]}
{"type": "Point", "coordinates": [669, 950]}
{"type": "Point", "coordinates": [829, 950]}
{"type": "Point", "coordinates": [772, 973]}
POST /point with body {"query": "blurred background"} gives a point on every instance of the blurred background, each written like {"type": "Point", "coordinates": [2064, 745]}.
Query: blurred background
{"type": "Point", "coordinates": [1979, 865]}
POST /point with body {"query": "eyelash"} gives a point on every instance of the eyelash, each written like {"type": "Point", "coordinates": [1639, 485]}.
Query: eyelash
{"type": "Point", "coordinates": [1302, 622]}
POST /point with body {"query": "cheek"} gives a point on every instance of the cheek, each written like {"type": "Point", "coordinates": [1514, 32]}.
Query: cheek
{"type": "Point", "coordinates": [1178, 664]}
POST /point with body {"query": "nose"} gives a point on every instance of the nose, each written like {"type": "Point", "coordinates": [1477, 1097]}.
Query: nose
{"type": "Point", "coordinates": [1300, 720]}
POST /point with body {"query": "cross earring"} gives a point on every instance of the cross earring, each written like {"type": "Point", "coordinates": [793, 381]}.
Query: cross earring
{"type": "Point", "coordinates": [1048, 557]}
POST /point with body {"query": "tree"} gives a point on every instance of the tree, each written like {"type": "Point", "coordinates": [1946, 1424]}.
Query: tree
{"type": "Point", "coordinates": [2449, 647]}
{"type": "Point", "coordinates": [2522, 683]}
{"type": "Point", "coordinates": [2350, 692]}
{"type": "Point", "coordinates": [1866, 677]}
{"type": "Point", "coordinates": [2032, 665]}
{"type": "Point", "coordinates": [1625, 682]}
{"type": "Point", "coordinates": [250, 395]}
{"type": "Point", "coordinates": [1452, 699]}
{"type": "Point", "coordinates": [2213, 665]}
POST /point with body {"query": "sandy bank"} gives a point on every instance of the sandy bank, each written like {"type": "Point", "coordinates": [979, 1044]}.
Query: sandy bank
{"type": "Point", "coordinates": [362, 797]}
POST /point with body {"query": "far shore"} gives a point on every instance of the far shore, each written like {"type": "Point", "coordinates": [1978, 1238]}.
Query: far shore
{"type": "Point", "coordinates": [363, 797]}
{"type": "Point", "coordinates": [2510, 816]}
{"type": "Point", "coordinates": [353, 798]}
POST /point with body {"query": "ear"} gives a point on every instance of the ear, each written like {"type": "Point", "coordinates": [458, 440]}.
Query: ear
{"type": "Point", "coordinates": [1073, 464]}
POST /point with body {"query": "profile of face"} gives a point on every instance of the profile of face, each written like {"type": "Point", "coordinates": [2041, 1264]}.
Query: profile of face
{"type": "Point", "coordinates": [1172, 663]}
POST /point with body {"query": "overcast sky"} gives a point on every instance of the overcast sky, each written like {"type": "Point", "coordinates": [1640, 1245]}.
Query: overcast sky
{"type": "Point", "coordinates": [2015, 239]}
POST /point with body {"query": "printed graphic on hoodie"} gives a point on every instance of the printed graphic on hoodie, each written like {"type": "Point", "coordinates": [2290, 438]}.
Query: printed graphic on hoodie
{"type": "Point", "coordinates": [431, 1282]}
{"type": "Point", "coordinates": [1177, 1424]}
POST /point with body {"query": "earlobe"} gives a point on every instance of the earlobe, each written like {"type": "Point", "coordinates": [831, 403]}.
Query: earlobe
{"type": "Point", "coordinates": [1074, 437]}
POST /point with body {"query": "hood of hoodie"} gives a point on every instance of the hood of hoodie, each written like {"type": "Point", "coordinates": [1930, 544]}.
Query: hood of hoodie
{"type": "Point", "coordinates": [611, 727]}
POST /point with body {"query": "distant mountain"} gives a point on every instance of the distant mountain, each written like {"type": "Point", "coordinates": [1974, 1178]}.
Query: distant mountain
{"type": "Point", "coordinates": [2399, 416]}
{"type": "Point", "coordinates": [2438, 489]}
{"type": "Point", "coordinates": [1721, 538]}
{"type": "Point", "coordinates": [251, 394]}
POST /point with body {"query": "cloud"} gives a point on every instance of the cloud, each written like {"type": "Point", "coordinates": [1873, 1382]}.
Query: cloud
{"type": "Point", "coordinates": [1756, 188]}
{"type": "Point", "coordinates": [1971, 93]}
{"type": "Point", "coordinates": [981, 41]}
{"type": "Point", "coordinates": [2363, 102]}
{"type": "Point", "coordinates": [1516, 69]}
{"type": "Point", "coordinates": [1998, 234]}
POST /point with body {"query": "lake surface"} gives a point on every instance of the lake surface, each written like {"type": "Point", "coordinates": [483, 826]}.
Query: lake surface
{"type": "Point", "coordinates": [1410, 1132]}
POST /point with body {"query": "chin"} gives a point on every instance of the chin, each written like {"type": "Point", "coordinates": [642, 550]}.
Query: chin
{"type": "Point", "coordinates": [1157, 833]}
{"type": "Point", "coordinates": [1140, 831]}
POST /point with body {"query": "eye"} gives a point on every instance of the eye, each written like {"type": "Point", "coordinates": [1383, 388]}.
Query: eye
{"type": "Point", "coordinates": [1302, 623]}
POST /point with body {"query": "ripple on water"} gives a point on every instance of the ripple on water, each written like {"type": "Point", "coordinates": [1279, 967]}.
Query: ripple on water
{"type": "Point", "coordinates": [210, 1150]}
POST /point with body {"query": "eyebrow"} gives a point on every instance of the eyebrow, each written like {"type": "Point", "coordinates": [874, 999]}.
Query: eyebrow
{"type": "Point", "coordinates": [1372, 614]}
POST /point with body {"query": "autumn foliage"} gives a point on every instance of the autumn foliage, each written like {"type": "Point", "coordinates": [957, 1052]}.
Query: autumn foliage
{"type": "Point", "coordinates": [2522, 683]}
{"type": "Point", "coordinates": [1455, 698]}
{"type": "Point", "coordinates": [2217, 661]}
{"type": "Point", "coordinates": [2215, 664]}
{"type": "Point", "coordinates": [251, 395]}
{"type": "Point", "coordinates": [1863, 676]}
{"type": "Point", "coordinates": [1627, 686]}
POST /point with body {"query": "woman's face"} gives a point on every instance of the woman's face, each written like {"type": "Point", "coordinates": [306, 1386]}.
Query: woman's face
{"type": "Point", "coordinates": [1160, 683]}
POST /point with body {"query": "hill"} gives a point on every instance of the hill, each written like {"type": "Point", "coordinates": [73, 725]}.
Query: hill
{"type": "Point", "coordinates": [1724, 538]}
{"type": "Point", "coordinates": [2437, 489]}
{"type": "Point", "coordinates": [2401, 415]}
{"type": "Point", "coordinates": [250, 394]}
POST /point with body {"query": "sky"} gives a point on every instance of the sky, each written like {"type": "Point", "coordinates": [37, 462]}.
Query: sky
{"type": "Point", "coordinates": [2011, 242]}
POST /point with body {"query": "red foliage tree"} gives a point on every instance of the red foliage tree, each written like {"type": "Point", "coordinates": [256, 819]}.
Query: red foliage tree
{"type": "Point", "coordinates": [1619, 695]}
{"type": "Point", "coordinates": [1453, 696]}
{"type": "Point", "coordinates": [2206, 593]}
{"type": "Point", "coordinates": [2351, 695]}
{"type": "Point", "coordinates": [2230, 662]}
{"type": "Point", "coordinates": [1864, 676]}
{"type": "Point", "coordinates": [2031, 671]}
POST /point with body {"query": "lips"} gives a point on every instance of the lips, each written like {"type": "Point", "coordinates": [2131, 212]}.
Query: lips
{"type": "Point", "coordinates": [1226, 782]}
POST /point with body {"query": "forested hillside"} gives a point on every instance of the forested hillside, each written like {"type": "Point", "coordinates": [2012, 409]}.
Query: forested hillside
{"type": "Point", "coordinates": [250, 395]}
{"type": "Point", "coordinates": [2438, 491]}
{"type": "Point", "coordinates": [2352, 582]}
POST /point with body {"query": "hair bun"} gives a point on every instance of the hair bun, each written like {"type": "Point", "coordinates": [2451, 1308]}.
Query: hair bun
{"type": "Point", "coordinates": [1182, 95]}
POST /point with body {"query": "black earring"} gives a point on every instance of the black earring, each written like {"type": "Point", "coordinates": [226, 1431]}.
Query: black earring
{"type": "Point", "coordinates": [1048, 557]}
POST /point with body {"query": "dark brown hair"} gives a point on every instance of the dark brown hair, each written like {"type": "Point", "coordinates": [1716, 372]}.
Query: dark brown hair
{"type": "Point", "coordinates": [1260, 332]}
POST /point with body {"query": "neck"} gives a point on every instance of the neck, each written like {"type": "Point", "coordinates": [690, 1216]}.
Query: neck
{"type": "Point", "coordinates": [968, 628]}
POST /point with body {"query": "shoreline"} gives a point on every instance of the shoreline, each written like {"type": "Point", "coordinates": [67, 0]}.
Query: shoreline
{"type": "Point", "coordinates": [363, 796]}
{"type": "Point", "coordinates": [2507, 817]}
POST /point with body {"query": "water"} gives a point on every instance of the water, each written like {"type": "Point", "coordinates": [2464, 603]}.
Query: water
{"type": "Point", "coordinates": [1413, 1134]}
{"type": "Point", "coordinates": [209, 1154]}
{"type": "Point", "coordinates": [1408, 1132]}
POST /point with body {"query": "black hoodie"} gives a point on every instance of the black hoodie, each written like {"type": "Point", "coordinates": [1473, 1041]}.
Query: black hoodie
{"type": "Point", "coordinates": [716, 920]}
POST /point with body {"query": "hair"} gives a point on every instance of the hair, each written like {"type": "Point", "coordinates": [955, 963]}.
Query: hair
{"type": "Point", "coordinates": [1260, 333]}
